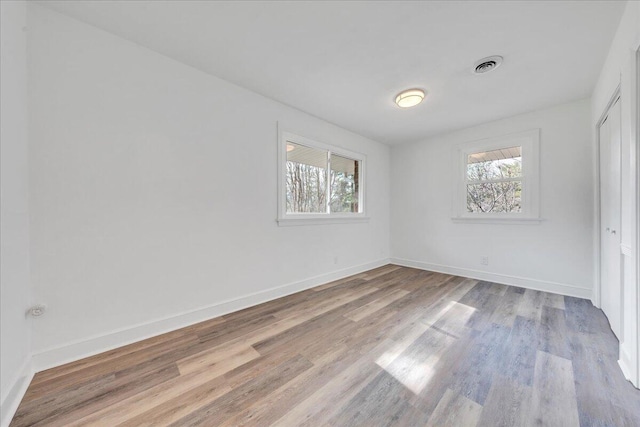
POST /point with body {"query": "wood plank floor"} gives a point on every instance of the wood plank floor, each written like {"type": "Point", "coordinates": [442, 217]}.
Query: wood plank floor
{"type": "Point", "coordinates": [393, 346]}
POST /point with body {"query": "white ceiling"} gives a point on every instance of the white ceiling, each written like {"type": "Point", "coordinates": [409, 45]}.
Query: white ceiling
{"type": "Point", "coordinates": [345, 61]}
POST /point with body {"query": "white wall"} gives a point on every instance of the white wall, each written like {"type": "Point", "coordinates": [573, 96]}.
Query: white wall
{"type": "Point", "coordinates": [153, 194]}
{"type": "Point", "coordinates": [621, 68]}
{"type": "Point", "coordinates": [555, 255]}
{"type": "Point", "coordinates": [14, 210]}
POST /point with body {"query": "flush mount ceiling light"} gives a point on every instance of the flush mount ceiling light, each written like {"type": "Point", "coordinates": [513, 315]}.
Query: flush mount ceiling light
{"type": "Point", "coordinates": [487, 64]}
{"type": "Point", "coordinates": [409, 98]}
{"type": "Point", "coordinates": [290, 147]}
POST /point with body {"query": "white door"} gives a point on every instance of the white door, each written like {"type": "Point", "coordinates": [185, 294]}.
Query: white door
{"type": "Point", "coordinates": [610, 255]}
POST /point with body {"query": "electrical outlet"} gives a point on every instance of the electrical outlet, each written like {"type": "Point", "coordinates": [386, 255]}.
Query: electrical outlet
{"type": "Point", "coordinates": [484, 260]}
{"type": "Point", "coordinates": [335, 259]}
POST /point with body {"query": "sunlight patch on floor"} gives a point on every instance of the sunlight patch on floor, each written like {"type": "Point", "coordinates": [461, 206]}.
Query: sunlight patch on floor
{"type": "Point", "coordinates": [415, 366]}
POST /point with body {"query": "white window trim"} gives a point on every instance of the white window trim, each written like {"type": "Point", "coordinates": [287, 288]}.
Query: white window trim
{"type": "Point", "coordinates": [289, 219]}
{"type": "Point", "coordinates": [530, 142]}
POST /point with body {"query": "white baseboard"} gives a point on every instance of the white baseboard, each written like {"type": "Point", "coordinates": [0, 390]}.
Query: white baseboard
{"type": "Point", "coordinates": [15, 394]}
{"type": "Point", "coordinates": [523, 282]}
{"type": "Point", "coordinates": [90, 346]}
{"type": "Point", "coordinates": [626, 365]}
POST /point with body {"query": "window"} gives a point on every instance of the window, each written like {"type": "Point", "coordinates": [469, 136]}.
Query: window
{"type": "Point", "coordinates": [498, 179]}
{"type": "Point", "coordinates": [318, 183]}
{"type": "Point", "coordinates": [494, 180]}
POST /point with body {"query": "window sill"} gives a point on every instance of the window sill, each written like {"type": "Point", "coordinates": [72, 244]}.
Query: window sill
{"type": "Point", "coordinates": [511, 220]}
{"type": "Point", "coordinates": [287, 222]}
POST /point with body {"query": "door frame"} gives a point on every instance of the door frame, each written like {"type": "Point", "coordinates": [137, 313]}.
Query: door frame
{"type": "Point", "coordinates": [597, 294]}
{"type": "Point", "coordinates": [636, 93]}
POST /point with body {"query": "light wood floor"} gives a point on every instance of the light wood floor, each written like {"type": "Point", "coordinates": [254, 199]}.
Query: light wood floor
{"type": "Point", "coordinates": [392, 346]}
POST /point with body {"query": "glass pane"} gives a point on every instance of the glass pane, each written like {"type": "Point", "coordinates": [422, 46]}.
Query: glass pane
{"type": "Point", "coordinates": [495, 197]}
{"type": "Point", "coordinates": [306, 179]}
{"type": "Point", "coordinates": [495, 164]}
{"type": "Point", "coordinates": [344, 184]}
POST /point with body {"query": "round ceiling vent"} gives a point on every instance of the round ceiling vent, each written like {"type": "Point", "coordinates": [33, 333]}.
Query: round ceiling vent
{"type": "Point", "coordinates": [487, 64]}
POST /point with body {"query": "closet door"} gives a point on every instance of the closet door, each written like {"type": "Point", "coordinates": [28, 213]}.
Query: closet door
{"type": "Point", "coordinates": [610, 255]}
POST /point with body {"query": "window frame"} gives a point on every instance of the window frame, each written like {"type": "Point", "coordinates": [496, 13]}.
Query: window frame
{"type": "Point", "coordinates": [530, 142]}
{"type": "Point", "coordinates": [285, 218]}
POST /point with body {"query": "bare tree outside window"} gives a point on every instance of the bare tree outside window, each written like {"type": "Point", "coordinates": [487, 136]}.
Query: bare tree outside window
{"type": "Point", "coordinates": [306, 188]}
{"type": "Point", "coordinates": [494, 181]}
{"type": "Point", "coordinates": [319, 181]}
{"type": "Point", "coordinates": [344, 184]}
